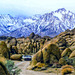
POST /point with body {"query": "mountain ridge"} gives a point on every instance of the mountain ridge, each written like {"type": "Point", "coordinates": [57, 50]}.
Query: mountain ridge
{"type": "Point", "coordinates": [48, 24]}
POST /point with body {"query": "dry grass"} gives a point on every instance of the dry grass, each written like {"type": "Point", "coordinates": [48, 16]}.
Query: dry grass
{"type": "Point", "coordinates": [67, 69]}
{"type": "Point", "coordinates": [52, 70]}
{"type": "Point", "coordinates": [39, 65]}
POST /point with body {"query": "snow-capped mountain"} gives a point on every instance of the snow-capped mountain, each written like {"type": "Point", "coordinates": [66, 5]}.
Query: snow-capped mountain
{"type": "Point", "coordinates": [49, 24]}
{"type": "Point", "coordinates": [9, 23]}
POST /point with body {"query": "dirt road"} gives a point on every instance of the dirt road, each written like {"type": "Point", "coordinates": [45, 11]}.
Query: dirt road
{"type": "Point", "coordinates": [24, 64]}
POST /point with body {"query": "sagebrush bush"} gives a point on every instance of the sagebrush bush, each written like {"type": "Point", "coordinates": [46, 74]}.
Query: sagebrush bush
{"type": "Point", "coordinates": [73, 61]}
{"type": "Point", "coordinates": [67, 66]}
{"type": "Point", "coordinates": [39, 65]}
{"type": "Point", "coordinates": [11, 68]}
{"type": "Point", "coordinates": [62, 61]}
{"type": "Point", "coordinates": [67, 69]}
{"type": "Point", "coordinates": [3, 70]}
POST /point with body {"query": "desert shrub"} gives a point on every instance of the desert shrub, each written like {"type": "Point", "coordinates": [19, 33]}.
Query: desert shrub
{"type": "Point", "coordinates": [67, 60]}
{"type": "Point", "coordinates": [36, 67]}
{"type": "Point", "coordinates": [16, 57]}
{"type": "Point", "coordinates": [62, 61]}
{"type": "Point", "coordinates": [3, 70]}
{"type": "Point", "coordinates": [72, 54]}
{"type": "Point", "coordinates": [67, 69]}
{"type": "Point", "coordinates": [4, 51]}
{"type": "Point", "coordinates": [11, 68]}
{"type": "Point", "coordinates": [66, 52]}
{"type": "Point", "coordinates": [72, 61]}
{"type": "Point", "coordinates": [39, 65]}
{"type": "Point", "coordinates": [67, 66]}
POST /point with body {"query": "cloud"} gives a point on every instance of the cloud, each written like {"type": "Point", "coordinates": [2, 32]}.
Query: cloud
{"type": "Point", "coordinates": [31, 7]}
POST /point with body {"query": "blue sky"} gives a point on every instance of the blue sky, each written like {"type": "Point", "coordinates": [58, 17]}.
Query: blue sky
{"type": "Point", "coordinates": [32, 7]}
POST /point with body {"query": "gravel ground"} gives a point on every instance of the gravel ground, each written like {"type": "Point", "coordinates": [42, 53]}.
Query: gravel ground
{"type": "Point", "coordinates": [24, 64]}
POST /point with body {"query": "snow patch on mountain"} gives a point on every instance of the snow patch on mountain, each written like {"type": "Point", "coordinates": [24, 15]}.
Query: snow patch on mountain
{"type": "Point", "coordinates": [50, 24]}
{"type": "Point", "coordinates": [59, 15]}
{"type": "Point", "coordinates": [29, 20]}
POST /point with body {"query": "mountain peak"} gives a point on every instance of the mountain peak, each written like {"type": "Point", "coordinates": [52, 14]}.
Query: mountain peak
{"type": "Point", "coordinates": [60, 10]}
{"type": "Point", "coordinates": [48, 24]}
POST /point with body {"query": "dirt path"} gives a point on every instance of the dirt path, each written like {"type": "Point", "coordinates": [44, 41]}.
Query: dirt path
{"type": "Point", "coordinates": [24, 64]}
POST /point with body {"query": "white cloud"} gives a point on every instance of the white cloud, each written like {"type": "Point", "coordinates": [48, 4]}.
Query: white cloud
{"type": "Point", "coordinates": [31, 7]}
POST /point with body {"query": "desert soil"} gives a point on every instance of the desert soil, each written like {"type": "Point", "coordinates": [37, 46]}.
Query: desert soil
{"type": "Point", "coordinates": [24, 64]}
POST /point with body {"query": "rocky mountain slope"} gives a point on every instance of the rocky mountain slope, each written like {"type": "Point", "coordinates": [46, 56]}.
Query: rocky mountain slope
{"type": "Point", "coordinates": [48, 24]}
{"type": "Point", "coordinates": [58, 51]}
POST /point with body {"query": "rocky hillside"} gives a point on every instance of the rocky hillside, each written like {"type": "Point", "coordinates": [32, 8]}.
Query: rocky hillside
{"type": "Point", "coordinates": [48, 52]}
{"type": "Point", "coordinates": [57, 52]}
{"type": "Point", "coordinates": [28, 45]}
